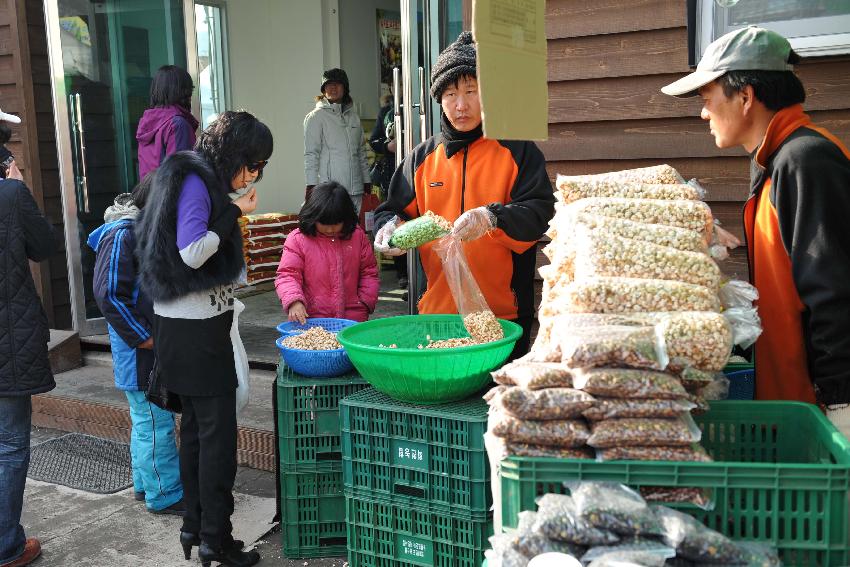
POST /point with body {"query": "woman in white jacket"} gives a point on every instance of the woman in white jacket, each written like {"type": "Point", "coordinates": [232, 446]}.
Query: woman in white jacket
{"type": "Point", "coordinates": [333, 140]}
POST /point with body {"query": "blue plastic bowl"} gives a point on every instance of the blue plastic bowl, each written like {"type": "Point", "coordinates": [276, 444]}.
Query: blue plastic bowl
{"type": "Point", "coordinates": [315, 363]}
{"type": "Point", "coordinates": [289, 328]}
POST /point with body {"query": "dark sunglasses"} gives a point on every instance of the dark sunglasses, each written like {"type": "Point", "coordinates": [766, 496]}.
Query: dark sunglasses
{"type": "Point", "coordinates": [257, 166]}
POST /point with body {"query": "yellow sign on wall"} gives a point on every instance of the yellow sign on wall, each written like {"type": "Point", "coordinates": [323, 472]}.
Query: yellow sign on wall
{"type": "Point", "coordinates": [512, 74]}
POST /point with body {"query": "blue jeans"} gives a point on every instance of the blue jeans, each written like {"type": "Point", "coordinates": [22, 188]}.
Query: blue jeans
{"type": "Point", "coordinates": [15, 423]}
{"type": "Point", "coordinates": [153, 450]}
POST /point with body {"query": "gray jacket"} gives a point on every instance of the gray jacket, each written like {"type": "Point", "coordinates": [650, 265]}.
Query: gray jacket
{"type": "Point", "coordinates": [333, 147]}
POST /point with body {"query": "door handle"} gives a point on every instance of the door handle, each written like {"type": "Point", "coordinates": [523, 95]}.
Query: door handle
{"type": "Point", "coordinates": [399, 146]}
{"type": "Point", "coordinates": [423, 102]}
{"type": "Point", "coordinates": [78, 120]}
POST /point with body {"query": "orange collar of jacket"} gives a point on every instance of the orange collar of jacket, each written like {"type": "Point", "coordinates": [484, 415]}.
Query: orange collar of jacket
{"type": "Point", "coordinates": [781, 126]}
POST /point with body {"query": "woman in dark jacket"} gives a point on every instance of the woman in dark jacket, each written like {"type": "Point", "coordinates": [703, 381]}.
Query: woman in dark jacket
{"type": "Point", "coordinates": [384, 144]}
{"type": "Point", "coordinates": [24, 368]}
{"type": "Point", "coordinates": [190, 254]}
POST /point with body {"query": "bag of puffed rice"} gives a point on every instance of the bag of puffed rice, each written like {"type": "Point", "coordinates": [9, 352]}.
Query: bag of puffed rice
{"type": "Point", "coordinates": [478, 319]}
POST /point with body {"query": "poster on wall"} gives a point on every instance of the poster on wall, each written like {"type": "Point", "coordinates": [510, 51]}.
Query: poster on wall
{"type": "Point", "coordinates": [389, 47]}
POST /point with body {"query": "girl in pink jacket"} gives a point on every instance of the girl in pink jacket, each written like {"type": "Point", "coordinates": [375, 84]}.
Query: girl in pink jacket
{"type": "Point", "coordinates": [328, 268]}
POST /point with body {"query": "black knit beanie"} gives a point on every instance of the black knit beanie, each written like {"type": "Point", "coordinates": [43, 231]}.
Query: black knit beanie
{"type": "Point", "coordinates": [336, 76]}
{"type": "Point", "coordinates": [456, 60]}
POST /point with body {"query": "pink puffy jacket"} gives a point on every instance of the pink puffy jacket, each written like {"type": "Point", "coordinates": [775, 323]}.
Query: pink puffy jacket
{"type": "Point", "coordinates": [332, 277]}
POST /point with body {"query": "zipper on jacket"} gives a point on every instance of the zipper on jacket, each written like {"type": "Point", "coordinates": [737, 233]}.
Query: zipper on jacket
{"type": "Point", "coordinates": [750, 264]}
{"type": "Point", "coordinates": [463, 179]}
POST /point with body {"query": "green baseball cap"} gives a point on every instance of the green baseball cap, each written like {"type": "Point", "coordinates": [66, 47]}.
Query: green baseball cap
{"type": "Point", "coordinates": [746, 49]}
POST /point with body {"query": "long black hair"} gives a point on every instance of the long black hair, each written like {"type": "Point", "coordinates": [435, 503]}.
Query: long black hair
{"type": "Point", "coordinates": [171, 85]}
{"type": "Point", "coordinates": [329, 203]}
{"type": "Point", "coordinates": [141, 191]}
{"type": "Point", "coordinates": [234, 140]}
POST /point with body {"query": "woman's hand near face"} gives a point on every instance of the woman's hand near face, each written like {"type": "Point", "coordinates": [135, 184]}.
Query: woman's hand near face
{"type": "Point", "coordinates": [247, 203]}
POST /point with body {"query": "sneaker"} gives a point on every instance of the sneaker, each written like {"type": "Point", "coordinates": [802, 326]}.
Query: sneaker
{"type": "Point", "coordinates": [139, 496]}
{"type": "Point", "coordinates": [176, 509]}
{"type": "Point", "coordinates": [32, 549]}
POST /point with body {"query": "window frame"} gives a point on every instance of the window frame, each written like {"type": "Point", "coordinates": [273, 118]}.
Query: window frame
{"type": "Point", "coordinates": [225, 53]}
{"type": "Point", "coordinates": [804, 45]}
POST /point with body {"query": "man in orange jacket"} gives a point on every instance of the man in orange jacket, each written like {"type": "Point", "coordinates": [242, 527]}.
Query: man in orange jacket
{"type": "Point", "coordinates": [795, 219]}
{"type": "Point", "coordinates": [496, 192]}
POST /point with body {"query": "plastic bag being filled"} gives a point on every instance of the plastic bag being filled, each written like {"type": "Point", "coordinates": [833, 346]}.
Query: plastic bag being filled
{"type": "Point", "coordinates": [478, 319]}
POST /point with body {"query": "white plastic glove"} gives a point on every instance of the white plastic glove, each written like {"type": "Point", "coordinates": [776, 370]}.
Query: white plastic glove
{"type": "Point", "coordinates": [474, 224]}
{"type": "Point", "coordinates": [383, 236]}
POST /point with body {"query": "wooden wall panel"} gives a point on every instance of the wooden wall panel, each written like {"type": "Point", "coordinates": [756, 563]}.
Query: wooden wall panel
{"type": "Point", "coordinates": [576, 18]}
{"type": "Point", "coordinates": [660, 138]}
{"type": "Point", "coordinates": [618, 55]}
{"type": "Point", "coordinates": [640, 97]}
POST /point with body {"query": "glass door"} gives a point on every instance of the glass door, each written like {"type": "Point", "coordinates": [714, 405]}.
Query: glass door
{"type": "Point", "coordinates": [103, 56]}
{"type": "Point", "coordinates": [427, 27]}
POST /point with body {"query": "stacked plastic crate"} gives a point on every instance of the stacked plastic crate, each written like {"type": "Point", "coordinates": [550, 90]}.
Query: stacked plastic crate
{"type": "Point", "coordinates": [417, 482]}
{"type": "Point", "coordinates": [311, 493]}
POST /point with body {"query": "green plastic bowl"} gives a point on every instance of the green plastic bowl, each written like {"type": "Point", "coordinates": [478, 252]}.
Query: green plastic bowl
{"type": "Point", "coordinates": [424, 376]}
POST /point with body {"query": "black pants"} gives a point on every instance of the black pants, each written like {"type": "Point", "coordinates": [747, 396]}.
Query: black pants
{"type": "Point", "coordinates": [208, 465]}
{"type": "Point", "coordinates": [524, 343]}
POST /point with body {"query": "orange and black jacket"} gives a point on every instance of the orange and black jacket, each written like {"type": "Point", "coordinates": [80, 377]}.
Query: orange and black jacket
{"type": "Point", "coordinates": [797, 224]}
{"type": "Point", "coordinates": [453, 172]}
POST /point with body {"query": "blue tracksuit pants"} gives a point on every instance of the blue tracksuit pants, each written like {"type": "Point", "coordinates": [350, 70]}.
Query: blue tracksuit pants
{"type": "Point", "coordinates": [153, 450]}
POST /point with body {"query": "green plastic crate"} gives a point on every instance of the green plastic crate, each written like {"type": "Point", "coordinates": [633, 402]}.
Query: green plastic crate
{"type": "Point", "coordinates": [312, 514]}
{"type": "Point", "coordinates": [416, 454]}
{"type": "Point", "coordinates": [781, 475]}
{"type": "Point", "coordinates": [308, 418]}
{"type": "Point", "coordinates": [381, 534]}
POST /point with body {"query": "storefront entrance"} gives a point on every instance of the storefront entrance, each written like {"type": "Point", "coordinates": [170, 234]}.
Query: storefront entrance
{"type": "Point", "coordinates": [265, 56]}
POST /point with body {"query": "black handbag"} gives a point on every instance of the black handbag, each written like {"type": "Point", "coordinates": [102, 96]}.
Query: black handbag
{"type": "Point", "coordinates": [158, 393]}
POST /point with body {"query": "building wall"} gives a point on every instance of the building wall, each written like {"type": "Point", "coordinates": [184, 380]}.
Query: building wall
{"type": "Point", "coordinates": [25, 90]}
{"type": "Point", "coordinates": [277, 53]}
{"type": "Point", "coordinates": [276, 60]}
{"type": "Point", "coordinates": [359, 50]}
{"type": "Point", "coordinates": [607, 61]}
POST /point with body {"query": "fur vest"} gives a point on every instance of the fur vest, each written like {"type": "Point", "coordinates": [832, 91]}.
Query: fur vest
{"type": "Point", "coordinates": [164, 275]}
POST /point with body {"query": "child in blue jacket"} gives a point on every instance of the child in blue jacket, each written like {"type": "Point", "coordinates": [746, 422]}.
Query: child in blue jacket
{"type": "Point", "coordinates": [128, 312]}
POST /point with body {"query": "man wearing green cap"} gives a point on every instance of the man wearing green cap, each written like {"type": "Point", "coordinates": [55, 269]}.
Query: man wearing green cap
{"type": "Point", "coordinates": [795, 219]}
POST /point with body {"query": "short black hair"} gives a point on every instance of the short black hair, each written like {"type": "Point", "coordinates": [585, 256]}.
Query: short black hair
{"type": "Point", "coordinates": [172, 85]}
{"type": "Point", "coordinates": [5, 134]}
{"type": "Point", "coordinates": [329, 203]}
{"type": "Point", "coordinates": [455, 82]}
{"type": "Point", "coordinates": [236, 139]}
{"type": "Point", "coordinates": [775, 89]}
{"type": "Point", "coordinates": [141, 191]}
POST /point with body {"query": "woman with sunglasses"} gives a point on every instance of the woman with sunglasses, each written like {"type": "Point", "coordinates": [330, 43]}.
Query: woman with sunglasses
{"type": "Point", "coordinates": [190, 252]}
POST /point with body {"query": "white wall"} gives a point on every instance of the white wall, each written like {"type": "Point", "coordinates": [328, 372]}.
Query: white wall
{"type": "Point", "coordinates": [277, 52]}
{"type": "Point", "coordinates": [276, 60]}
{"type": "Point", "coordinates": [359, 50]}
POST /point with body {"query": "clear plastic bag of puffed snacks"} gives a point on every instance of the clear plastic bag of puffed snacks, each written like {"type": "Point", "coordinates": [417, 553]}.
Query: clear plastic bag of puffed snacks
{"type": "Point", "coordinates": [693, 215]}
{"type": "Point", "coordinates": [558, 519]}
{"type": "Point", "coordinates": [644, 432]}
{"type": "Point", "coordinates": [615, 508]}
{"type": "Point", "coordinates": [629, 295]}
{"type": "Point", "coordinates": [600, 254]}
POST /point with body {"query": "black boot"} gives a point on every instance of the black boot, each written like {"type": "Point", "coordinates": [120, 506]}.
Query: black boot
{"type": "Point", "coordinates": [229, 557]}
{"type": "Point", "coordinates": [188, 540]}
